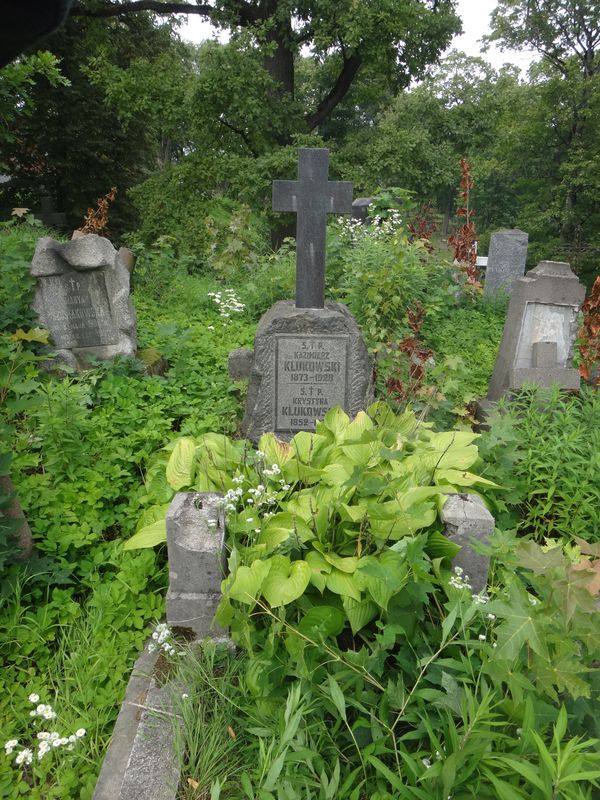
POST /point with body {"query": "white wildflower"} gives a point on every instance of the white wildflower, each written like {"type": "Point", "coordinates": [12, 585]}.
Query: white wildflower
{"type": "Point", "coordinates": [10, 746]}
{"type": "Point", "coordinates": [34, 698]}
{"type": "Point", "coordinates": [24, 757]}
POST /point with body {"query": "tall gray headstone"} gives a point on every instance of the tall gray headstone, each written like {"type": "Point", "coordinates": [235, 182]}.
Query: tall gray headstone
{"type": "Point", "coordinates": [195, 544]}
{"type": "Point", "coordinates": [540, 331]}
{"type": "Point", "coordinates": [82, 298]}
{"type": "Point", "coordinates": [309, 356]}
{"type": "Point", "coordinates": [506, 261]}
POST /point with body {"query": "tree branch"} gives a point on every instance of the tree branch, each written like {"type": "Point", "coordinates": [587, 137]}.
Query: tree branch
{"type": "Point", "coordinates": [116, 9]}
{"type": "Point", "coordinates": [239, 132]}
{"type": "Point", "coordinates": [338, 91]}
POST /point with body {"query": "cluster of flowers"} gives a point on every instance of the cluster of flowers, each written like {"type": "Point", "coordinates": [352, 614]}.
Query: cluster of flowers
{"type": "Point", "coordinates": [162, 634]}
{"type": "Point", "coordinates": [227, 302]}
{"type": "Point", "coordinates": [47, 740]}
{"type": "Point", "coordinates": [458, 581]}
{"type": "Point", "coordinates": [380, 227]}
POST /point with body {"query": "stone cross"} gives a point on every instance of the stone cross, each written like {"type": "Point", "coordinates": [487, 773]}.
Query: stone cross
{"type": "Point", "coordinates": [312, 197]}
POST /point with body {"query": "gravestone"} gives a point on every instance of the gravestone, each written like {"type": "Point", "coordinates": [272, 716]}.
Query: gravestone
{"type": "Point", "coordinates": [195, 543]}
{"type": "Point", "coordinates": [468, 523]}
{"type": "Point", "coordinates": [505, 261]}
{"type": "Point", "coordinates": [82, 298]}
{"type": "Point", "coordinates": [309, 355]}
{"type": "Point", "coordinates": [540, 331]}
{"type": "Point", "coordinates": [48, 215]}
{"type": "Point", "coordinates": [360, 208]}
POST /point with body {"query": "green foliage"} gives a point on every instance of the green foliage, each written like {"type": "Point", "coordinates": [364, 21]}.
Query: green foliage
{"type": "Point", "coordinates": [457, 695]}
{"type": "Point", "coordinates": [383, 275]}
{"type": "Point", "coordinates": [17, 243]}
{"type": "Point", "coordinates": [544, 447]}
{"type": "Point", "coordinates": [16, 90]}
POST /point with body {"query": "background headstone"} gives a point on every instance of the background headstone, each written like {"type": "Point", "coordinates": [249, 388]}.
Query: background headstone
{"type": "Point", "coordinates": [505, 261]}
{"type": "Point", "coordinates": [467, 520]}
{"type": "Point", "coordinates": [195, 544]}
{"type": "Point", "coordinates": [82, 298]}
{"type": "Point", "coordinates": [360, 208]}
{"type": "Point", "coordinates": [540, 330]}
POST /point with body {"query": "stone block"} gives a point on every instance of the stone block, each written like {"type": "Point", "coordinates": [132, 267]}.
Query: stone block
{"type": "Point", "coordinates": [506, 261]}
{"type": "Point", "coordinates": [467, 520]}
{"type": "Point", "coordinates": [83, 299]}
{"type": "Point", "coordinates": [306, 361]}
{"type": "Point", "coordinates": [240, 363]}
{"type": "Point", "coordinates": [195, 544]}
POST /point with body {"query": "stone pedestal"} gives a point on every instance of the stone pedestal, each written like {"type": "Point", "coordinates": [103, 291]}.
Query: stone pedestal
{"type": "Point", "coordinates": [306, 361]}
{"type": "Point", "coordinates": [468, 521]}
{"type": "Point", "coordinates": [195, 543]}
{"type": "Point", "coordinates": [506, 261]}
{"type": "Point", "coordinates": [82, 298]}
{"type": "Point", "coordinates": [540, 331]}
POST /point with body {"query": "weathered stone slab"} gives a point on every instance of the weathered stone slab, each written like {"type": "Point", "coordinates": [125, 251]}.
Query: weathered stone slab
{"type": "Point", "coordinates": [195, 544]}
{"type": "Point", "coordinates": [506, 261]}
{"type": "Point", "coordinates": [540, 330]}
{"type": "Point", "coordinates": [140, 762]}
{"type": "Point", "coordinates": [82, 298]}
{"type": "Point", "coordinates": [468, 521]}
{"type": "Point", "coordinates": [306, 361]}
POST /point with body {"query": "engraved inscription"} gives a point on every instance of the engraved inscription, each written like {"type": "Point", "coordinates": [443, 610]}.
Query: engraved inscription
{"type": "Point", "coordinates": [78, 311]}
{"type": "Point", "coordinates": [310, 379]}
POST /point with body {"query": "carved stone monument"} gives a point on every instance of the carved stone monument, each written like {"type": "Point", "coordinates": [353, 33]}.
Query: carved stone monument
{"type": "Point", "coordinates": [82, 298]}
{"type": "Point", "coordinates": [308, 356]}
{"type": "Point", "coordinates": [540, 330]}
{"type": "Point", "coordinates": [506, 261]}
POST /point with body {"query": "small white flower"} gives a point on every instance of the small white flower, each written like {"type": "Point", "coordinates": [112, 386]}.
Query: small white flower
{"type": "Point", "coordinates": [491, 616]}
{"type": "Point", "coordinates": [426, 762]}
{"type": "Point", "coordinates": [184, 696]}
{"type": "Point", "coordinates": [57, 743]}
{"type": "Point", "coordinates": [481, 637]}
{"type": "Point", "coordinates": [250, 519]}
{"type": "Point", "coordinates": [33, 713]}
{"type": "Point", "coordinates": [53, 736]}
{"type": "Point", "coordinates": [80, 733]}
{"type": "Point", "coordinates": [533, 601]}
{"type": "Point", "coordinates": [34, 698]}
{"type": "Point", "coordinates": [210, 327]}
{"type": "Point", "coordinates": [458, 571]}
{"type": "Point", "coordinates": [24, 757]}
{"type": "Point", "coordinates": [151, 647]}
{"type": "Point", "coordinates": [495, 644]}
{"type": "Point", "coordinates": [10, 746]}
{"type": "Point", "coordinates": [72, 738]}
{"type": "Point", "coordinates": [260, 454]}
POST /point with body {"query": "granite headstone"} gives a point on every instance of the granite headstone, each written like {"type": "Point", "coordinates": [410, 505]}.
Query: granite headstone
{"type": "Point", "coordinates": [309, 356]}
{"type": "Point", "coordinates": [82, 298]}
{"type": "Point", "coordinates": [540, 331]}
{"type": "Point", "coordinates": [360, 208]}
{"type": "Point", "coordinates": [505, 262]}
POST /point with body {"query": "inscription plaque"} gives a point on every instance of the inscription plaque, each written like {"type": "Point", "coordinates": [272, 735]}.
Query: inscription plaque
{"type": "Point", "coordinates": [546, 323]}
{"type": "Point", "coordinates": [78, 311]}
{"type": "Point", "coordinates": [311, 376]}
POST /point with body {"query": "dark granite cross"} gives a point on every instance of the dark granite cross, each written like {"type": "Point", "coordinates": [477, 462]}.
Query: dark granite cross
{"type": "Point", "coordinates": [312, 197]}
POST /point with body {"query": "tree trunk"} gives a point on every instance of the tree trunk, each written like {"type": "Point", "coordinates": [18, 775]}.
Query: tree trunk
{"type": "Point", "coordinates": [14, 511]}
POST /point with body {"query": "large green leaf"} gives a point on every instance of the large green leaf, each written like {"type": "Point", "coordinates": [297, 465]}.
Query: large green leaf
{"type": "Point", "coordinates": [276, 451]}
{"type": "Point", "coordinates": [180, 468]}
{"type": "Point", "coordinates": [384, 575]}
{"type": "Point", "coordinates": [319, 569]}
{"type": "Point", "coordinates": [342, 583]}
{"type": "Point", "coordinates": [320, 622]}
{"type": "Point", "coordinates": [359, 613]}
{"type": "Point", "coordinates": [247, 581]}
{"type": "Point", "coordinates": [149, 536]}
{"type": "Point", "coordinates": [281, 527]}
{"type": "Point", "coordinates": [286, 581]}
